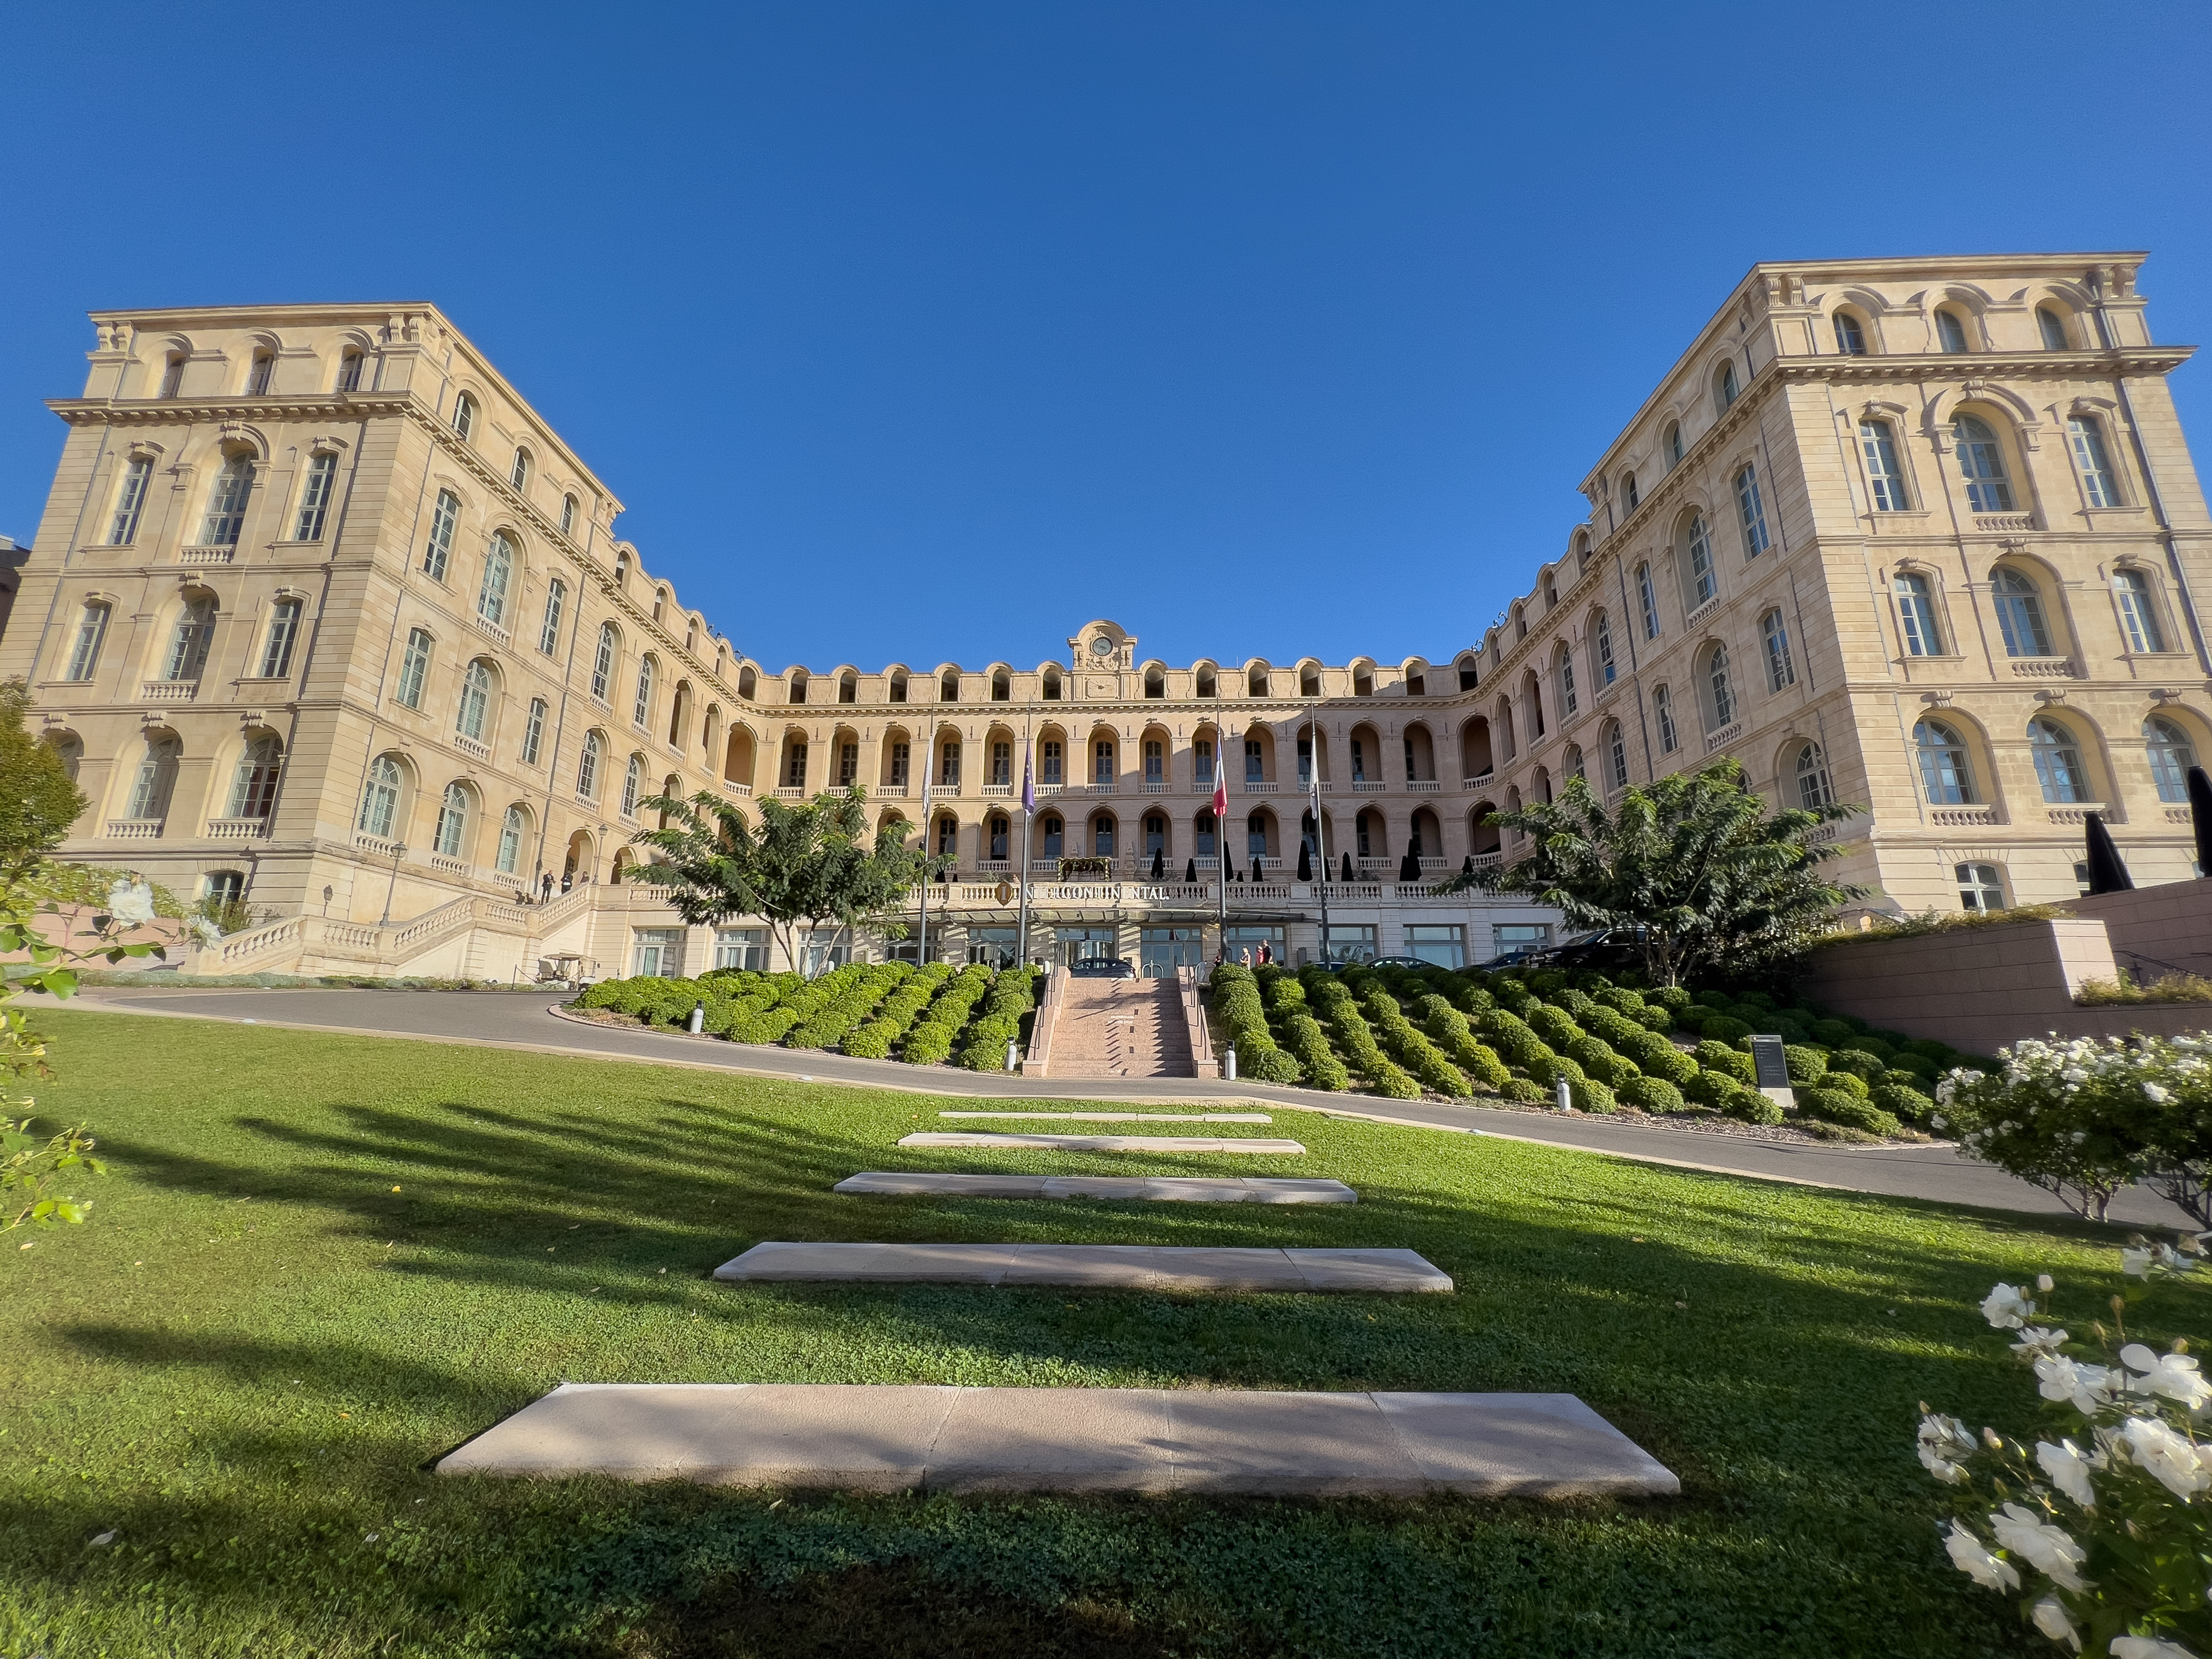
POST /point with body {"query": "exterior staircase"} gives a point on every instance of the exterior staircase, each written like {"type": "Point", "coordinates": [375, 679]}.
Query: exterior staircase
{"type": "Point", "coordinates": [1120, 1028]}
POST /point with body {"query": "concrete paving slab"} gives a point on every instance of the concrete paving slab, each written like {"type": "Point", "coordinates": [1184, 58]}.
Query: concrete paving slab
{"type": "Point", "coordinates": [1145, 1440]}
{"type": "Point", "coordinates": [1194, 1190]}
{"type": "Point", "coordinates": [1103, 1142]}
{"type": "Point", "coordinates": [1129, 1117]}
{"type": "Point", "coordinates": [1520, 1445]}
{"type": "Point", "coordinates": [1098, 1267]}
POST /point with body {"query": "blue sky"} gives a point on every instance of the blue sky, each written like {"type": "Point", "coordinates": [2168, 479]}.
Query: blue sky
{"type": "Point", "coordinates": [919, 332]}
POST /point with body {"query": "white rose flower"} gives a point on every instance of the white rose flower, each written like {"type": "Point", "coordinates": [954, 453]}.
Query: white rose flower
{"type": "Point", "coordinates": [2006, 1308]}
{"type": "Point", "coordinates": [2044, 1284]}
{"type": "Point", "coordinates": [1977, 1563]}
{"type": "Point", "coordinates": [2135, 1261]}
{"type": "Point", "coordinates": [2042, 1545]}
{"type": "Point", "coordinates": [204, 931]}
{"type": "Point", "coordinates": [2068, 1470]}
{"type": "Point", "coordinates": [2148, 1647]}
{"type": "Point", "coordinates": [2169, 1458]}
{"type": "Point", "coordinates": [2089, 1387]}
{"type": "Point", "coordinates": [2156, 1095]}
{"type": "Point", "coordinates": [1943, 1440]}
{"type": "Point", "coordinates": [2038, 1339]}
{"type": "Point", "coordinates": [2173, 1375]}
{"type": "Point", "coordinates": [2050, 1616]}
{"type": "Point", "coordinates": [130, 902]}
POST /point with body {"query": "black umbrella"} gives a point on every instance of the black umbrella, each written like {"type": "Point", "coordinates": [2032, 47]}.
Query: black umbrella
{"type": "Point", "coordinates": [2200, 808]}
{"type": "Point", "coordinates": [1348, 867]}
{"type": "Point", "coordinates": [1305, 862]}
{"type": "Point", "coordinates": [1409, 867]}
{"type": "Point", "coordinates": [1467, 865]}
{"type": "Point", "coordinates": [1159, 865]}
{"type": "Point", "coordinates": [1190, 870]}
{"type": "Point", "coordinates": [2106, 873]}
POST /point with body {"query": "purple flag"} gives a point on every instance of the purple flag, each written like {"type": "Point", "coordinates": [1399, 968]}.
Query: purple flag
{"type": "Point", "coordinates": [1028, 784]}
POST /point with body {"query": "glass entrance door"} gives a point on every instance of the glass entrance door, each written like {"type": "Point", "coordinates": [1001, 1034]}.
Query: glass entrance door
{"type": "Point", "coordinates": [1087, 945]}
{"type": "Point", "coordinates": [1166, 948]}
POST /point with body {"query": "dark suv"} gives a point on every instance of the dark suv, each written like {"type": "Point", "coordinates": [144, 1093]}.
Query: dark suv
{"type": "Point", "coordinates": [1102, 967]}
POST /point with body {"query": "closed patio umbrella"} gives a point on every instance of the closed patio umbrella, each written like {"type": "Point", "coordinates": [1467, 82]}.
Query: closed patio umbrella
{"type": "Point", "coordinates": [1466, 865]}
{"type": "Point", "coordinates": [2106, 873]}
{"type": "Point", "coordinates": [2200, 808]}
{"type": "Point", "coordinates": [1305, 862]}
{"type": "Point", "coordinates": [1190, 870]}
{"type": "Point", "coordinates": [1409, 867]}
{"type": "Point", "coordinates": [1159, 865]}
{"type": "Point", "coordinates": [1348, 867]}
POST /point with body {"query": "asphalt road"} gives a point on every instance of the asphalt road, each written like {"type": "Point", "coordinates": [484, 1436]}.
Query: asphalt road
{"type": "Point", "coordinates": [518, 1020]}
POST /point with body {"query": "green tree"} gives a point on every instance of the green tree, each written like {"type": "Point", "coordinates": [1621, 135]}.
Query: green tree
{"type": "Point", "coordinates": [39, 799]}
{"type": "Point", "coordinates": [812, 862]}
{"type": "Point", "coordinates": [1695, 861]}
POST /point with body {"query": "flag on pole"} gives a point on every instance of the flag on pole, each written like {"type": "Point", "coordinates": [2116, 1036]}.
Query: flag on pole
{"type": "Point", "coordinates": [1221, 797]}
{"type": "Point", "coordinates": [1029, 783]}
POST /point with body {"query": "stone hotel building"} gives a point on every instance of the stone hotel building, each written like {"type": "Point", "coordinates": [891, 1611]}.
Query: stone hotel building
{"type": "Point", "coordinates": [325, 617]}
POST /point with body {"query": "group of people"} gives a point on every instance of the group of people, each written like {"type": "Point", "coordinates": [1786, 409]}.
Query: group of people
{"type": "Point", "coordinates": [1244, 955]}
{"type": "Point", "coordinates": [544, 891]}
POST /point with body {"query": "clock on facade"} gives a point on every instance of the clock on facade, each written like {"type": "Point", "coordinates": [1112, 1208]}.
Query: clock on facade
{"type": "Point", "coordinates": [1102, 647]}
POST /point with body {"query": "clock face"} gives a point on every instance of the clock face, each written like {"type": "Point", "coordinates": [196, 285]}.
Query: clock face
{"type": "Point", "coordinates": [1102, 647]}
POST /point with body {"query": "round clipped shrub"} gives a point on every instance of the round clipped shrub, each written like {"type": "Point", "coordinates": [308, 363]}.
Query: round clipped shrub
{"type": "Point", "coordinates": [1914, 1066]}
{"type": "Point", "coordinates": [1305, 1039]}
{"type": "Point", "coordinates": [1577, 1003]}
{"type": "Point", "coordinates": [1857, 1062]}
{"type": "Point", "coordinates": [1714, 999]}
{"type": "Point", "coordinates": [1270, 1066]}
{"type": "Point", "coordinates": [873, 1040]}
{"type": "Point", "coordinates": [1547, 981]}
{"type": "Point", "coordinates": [1548, 1072]}
{"type": "Point", "coordinates": [1749, 1106]}
{"type": "Point", "coordinates": [1758, 999]}
{"type": "Point", "coordinates": [1600, 1061]}
{"type": "Point", "coordinates": [1838, 1106]}
{"type": "Point", "coordinates": [1555, 1026]}
{"type": "Point", "coordinates": [1713, 1056]}
{"type": "Point", "coordinates": [1673, 998]}
{"type": "Point", "coordinates": [1619, 998]}
{"type": "Point", "coordinates": [1656, 1057]}
{"type": "Point", "coordinates": [1930, 1048]}
{"type": "Point", "coordinates": [1653, 1017]}
{"type": "Point", "coordinates": [1713, 1088]}
{"type": "Point", "coordinates": [1610, 1023]}
{"type": "Point", "coordinates": [1901, 1101]}
{"type": "Point", "coordinates": [1834, 1033]}
{"type": "Point", "coordinates": [1721, 1028]}
{"type": "Point", "coordinates": [1521, 1093]}
{"type": "Point", "coordinates": [1592, 1096]}
{"type": "Point", "coordinates": [1651, 1094]}
{"type": "Point", "coordinates": [926, 1045]}
{"type": "Point", "coordinates": [1850, 1083]}
{"type": "Point", "coordinates": [1807, 1065]}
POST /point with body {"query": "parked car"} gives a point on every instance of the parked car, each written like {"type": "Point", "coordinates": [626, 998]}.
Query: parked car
{"type": "Point", "coordinates": [1603, 948]}
{"type": "Point", "coordinates": [1400, 961]}
{"type": "Point", "coordinates": [1103, 968]}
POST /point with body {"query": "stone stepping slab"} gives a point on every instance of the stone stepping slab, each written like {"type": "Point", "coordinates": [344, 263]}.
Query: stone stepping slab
{"type": "Point", "coordinates": [1198, 1189]}
{"type": "Point", "coordinates": [1095, 1266]}
{"type": "Point", "coordinates": [1105, 1143]}
{"type": "Point", "coordinates": [1130, 1117]}
{"type": "Point", "coordinates": [891, 1438]}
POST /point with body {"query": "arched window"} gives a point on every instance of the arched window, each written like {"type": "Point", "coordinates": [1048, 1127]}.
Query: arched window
{"type": "Point", "coordinates": [1781, 672]}
{"type": "Point", "coordinates": [948, 687]}
{"type": "Point", "coordinates": [587, 766]}
{"type": "Point", "coordinates": [258, 373]}
{"type": "Point", "coordinates": [1947, 775]}
{"type": "Point", "coordinates": [1672, 444]}
{"type": "Point", "coordinates": [1051, 686]}
{"type": "Point", "coordinates": [2019, 614]}
{"type": "Point", "coordinates": [2057, 761]}
{"type": "Point", "coordinates": [1815, 788]}
{"type": "Point", "coordinates": [603, 664]}
{"type": "Point", "coordinates": [173, 376]}
{"type": "Point", "coordinates": [568, 515]}
{"type": "Point", "coordinates": [1520, 623]}
{"type": "Point", "coordinates": [130, 502]}
{"type": "Point", "coordinates": [1628, 498]}
{"type": "Point", "coordinates": [2086, 438]}
{"type": "Point", "coordinates": [1916, 616]}
{"type": "Point", "coordinates": [1569, 701]}
{"type": "Point", "coordinates": [315, 491]}
{"type": "Point", "coordinates": [414, 670]}
{"type": "Point", "coordinates": [1255, 836]}
{"type": "Point", "coordinates": [633, 785]}
{"type": "Point", "coordinates": [1616, 754]}
{"type": "Point", "coordinates": [91, 635]}
{"type": "Point", "coordinates": [533, 732]}
{"type": "Point", "coordinates": [2052, 327]}
{"type": "Point", "coordinates": [1054, 834]}
{"type": "Point", "coordinates": [1752, 511]}
{"type": "Point", "coordinates": [1981, 463]}
{"type": "Point", "coordinates": [2138, 616]}
{"type": "Point", "coordinates": [622, 572]}
{"type": "Point", "coordinates": [518, 473]}
{"type": "Point", "coordinates": [253, 791]}
{"type": "Point", "coordinates": [1725, 388]}
{"type": "Point", "coordinates": [379, 798]}
{"type": "Point", "coordinates": [188, 643]}
{"type": "Point", "coordinates": [1720, 688]}
{"type": "Point", "coordinates": [465, 416]}
{"type": "Point", "coordinates": [1699, 584]}
{"type": "Point", "coordinates": [1466, 673]}
{"type": "Point", "coordinates": [848, 687]}
{"type": "Point", "coordinates": [226, 510]}
{"type": "Point", "coordinates": [2172, 755]}
{"type": "Point", "coordinates": [1601, 647]}
{"type": "Point", "coordinates": [1981, 886]}
{"type": "Point", "coordinates": [284, 634]}
{"type": "Point", "coordinates": [511, 830]}
{"type": "Point", "coordinates": [1950, 331]}
{"type": "Point", "coordinates": [350, 365]}
{"type": "Point", "coordinates": [641, 711]}
{"type": "Point", "coordinates": [499, 569]}
{"type": "Point", "coordinates": [157, 777]}
{"type": "Point", "coordinates": [1101, 838]}
{"type": "Point", "coordinates": [1663, 707]}
{"type": "Point", "coordinates": [1572, 765]}
{"type": "Point", "coordinates": [1310, 680]}
{"type": "Point", "coordinates": [549, 630]}
{"type": "Point", "coordinates": [1002, 685]}
{"type": "Point", "coordinates": [1101, 762]}
{"type": "Point", "coordinates": [749, 685]}
{"type": "Point", "coordinates": [476, 701]}
{"type": "Point", "coordinates": [1648, 597]}
{"type": "Point", "coordinates": [438, 550]}
{"type": "Point", "coordinates": [1850, 338]}
{"type": "Point", "coordinates": [1878, 443]}
{"type": "Point", "coordinates": [453, 822]}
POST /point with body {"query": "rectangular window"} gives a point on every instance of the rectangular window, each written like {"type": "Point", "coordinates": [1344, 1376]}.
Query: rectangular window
{"type": "Point", "coordinates": [1201, 753]}
{"type": "Point", "coordinates": [492, 593]}
{"type": "Point", "coordinates": [1359, 760]}
{"type": "Point", "coordinates": [91, 632]}
{"type": "Point", "coordinates": [1253, 772]}
{"type": "Point", "coordinates": [1002, 764]}
{"type": "Point", "coordinates": [1567, 698]}
{"type": "Point", "coordinates": [195, 634]}
{"type": "Point", "coordinates": [130, 503]}
{"type": "Point", "coordinates": [315, 498]}
{"type": "Point", "coordinates": [1347, 942]}
{"type": "Point", "coordinates": [2091, 461]}
{"type": "Point", "coordinates": [1915, 617]}
{"type": "Point", "coordinates": [1519, 935]}
{"type": "Point", "coordinates": [349, 371]}
{"type": "Point", "coordinates": [1780, 671]}
{"type": "Point", "coordinates": [549, 632]}
{"type": "Point", "coordinates": [1879, 445]}
{"type": "Point", "coordinates": [1445, 945]}
{"type": "Point", "coordinates": [284, 632]}
{"type": "Point", "coordinates": [848, 764]}
{"type": "Point", "coordinates": [1606, 670]}
{"type": "Point", "coordinates": [902, 755]}
{"type": "Point", "coordinates": [1155, 763]}
{"type": "Point", "coordinates": [742, 948]}
{"type": "Point", "coordinates": [2137, 616]}
{"type": "Point", "coordinates": [533, 732]}
{"type": "Point", "coordinates": [1649, 600]}
{"type": "Point", "coordinates": [794, 767]}
{"type": "Point", "coordinates": [414, 668]}
{"type": "Point", "coordinates": [1306, 763]}
{"type": "Point", "coordinates": [1103, 764]}
{"type": "Point", "coordinates": [1753, 512]}
{"type": "Point", "coordinates": [659, 952]}
{"type": "Point", "coordinates": [1051, 767]}
{"type": "Point", "coordinates": [226, 514]}
{"type": "Point", "coordinates": [438, 551]}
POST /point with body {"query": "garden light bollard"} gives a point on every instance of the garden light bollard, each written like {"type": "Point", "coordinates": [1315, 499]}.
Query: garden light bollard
{"type": "Point", "coordinates": [1229, 1062]}
{"type": "Point", "coordinates": [1013, 1059]}
{"type": "Point", "coordinates": [1566, 1096]}
{"type": "Point", "coordinates": [698, 1019]}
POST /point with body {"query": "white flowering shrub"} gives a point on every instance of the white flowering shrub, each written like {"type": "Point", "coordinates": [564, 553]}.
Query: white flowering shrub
{"type": "Point", "coordinates": [2083, 1119]}
{"type": "Point", "coordinates": [2095, 1526]}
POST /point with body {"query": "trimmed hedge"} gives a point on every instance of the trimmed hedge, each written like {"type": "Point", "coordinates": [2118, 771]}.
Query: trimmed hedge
{"type": "Point", "coordinates": [1012, 993]}
{"type": "Point", "coordinates": [1355, 1040]}
{"type": "Point", "coordinates": [1651, 1094]}
{"type": "Point", "coordinates": [1411, 1048]}
{"type": "Point", "coordinates": [1448, 1028]}
{"type": "Point", "coordinates": [1837, 1106]}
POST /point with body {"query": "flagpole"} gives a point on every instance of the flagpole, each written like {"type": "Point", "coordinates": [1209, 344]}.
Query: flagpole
{"type": "Point", "coordinates": [1321, 837]}
{"type": "Point", "coordinates": [928, 760]}
{"type": "Point", "coordinates": [1022, 862]}
{"type": "Point", "coordinates": [1221, 833]}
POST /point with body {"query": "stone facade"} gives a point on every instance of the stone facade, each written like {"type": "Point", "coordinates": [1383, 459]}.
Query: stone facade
{"type": "Point", "coordinates": [325, 614]}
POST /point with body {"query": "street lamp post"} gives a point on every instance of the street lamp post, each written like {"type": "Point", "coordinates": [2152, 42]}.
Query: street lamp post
{"type": "Point", "coordinates": [399, 851]}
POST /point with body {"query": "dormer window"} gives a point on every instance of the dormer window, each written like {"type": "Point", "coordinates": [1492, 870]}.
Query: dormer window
{"type": "Point", "coordinates": [1628, 495]}
{"type": "Point", "coordinates": [1850, 338]}
{"type": "Point", "coordinates": [349, 371]}
{"type": "Point", "coordinates": [568, 515]}
{"type": "Point", "coordinates": [2053, 329]}
{"type": "Point", "coordinates": [1051, 683]}
{"type": "Point", "coordinates": [1672, 444]}
{"type": "Point", "coordinates": [1725, 388]}
{"type": "Point", "coordinates": [257, 375]}
{"type": "Point", "coordinates": [519, 474]}
{"type": "Point", "coordinates": [173, 376]}
{"type": "Point", "coordinates": [465, 416]}
{"type": "Point", "coordinates": [1950, 332]}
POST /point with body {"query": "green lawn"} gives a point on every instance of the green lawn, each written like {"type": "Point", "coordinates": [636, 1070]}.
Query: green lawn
{"type": "Point", "coordinates": [245, 1364]}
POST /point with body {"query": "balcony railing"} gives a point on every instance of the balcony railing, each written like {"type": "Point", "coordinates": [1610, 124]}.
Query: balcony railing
{"type": "Point", "coordinates": [2043, 668]}
{"type": "Point", "coordinates": [2075, 814]}
{"type": "Point", "coordinates": [1153, 787]}
{"type": "Point", "coordinates": [1362, 787]}
{"type": "Point", "coordinates": [470, 746]}
{"type": "Point", "coordinates": [731, 786]}
{"type": "Point", "coordinates": [1481, 780]}
{"type": "Point", "coordinates": [1258, 786]}
{"type": "Point", "coordinates": [997, 791]}
{"type": "Point", "coordinates": [1727, 735]}
{"type": "Point", "coordinates": [450, 866]}
{"type": "Point", "coordinates": [2002, 521]}
{"type": "Point", "coordinates": [790, 792]}
{"type": "Point", "coordinates": [1961, 818]}
{"type": "Point", "coordinates": [2179, 815]}
{"type": "Point", "coordinates": [206, 555]}
{"type": "Point", "coordinates": [485, 625]}
{"type": "Point", "coordinates": [169, 690]}
{"type": "Point", "coordinates": [1423, 786]}
{"type": "Point", "coordinates": [377, 844]}
{"type": "Point", "coordinates": [237, 829]}
{"type": "Point", "coordinates": [892, 791]}
{"type": "Point", "coordinates": [134, 829]}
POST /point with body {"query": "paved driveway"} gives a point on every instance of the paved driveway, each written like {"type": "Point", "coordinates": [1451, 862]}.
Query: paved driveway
{"type": "Point", "coordinates": [517, 1020]}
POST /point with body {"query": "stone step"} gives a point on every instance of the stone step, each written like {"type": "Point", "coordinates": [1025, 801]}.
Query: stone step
{"type": "Point", "coordinates": [899, 1438]}
{"type": "Point", "coordinates": [1103, 1142]}
{"type": "Point", "coordinates": [1200, 1189]}
{"type": "Point", "coordinates": [1130, 1117]}
{"type": "Point", "coordinates": [1097, 1266]}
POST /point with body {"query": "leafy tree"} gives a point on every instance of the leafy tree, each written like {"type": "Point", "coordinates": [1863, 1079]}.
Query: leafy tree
{"type": "Point", "coordinates": [809, 861]}
{"type": "Point", "coordinates": [39, 800]}
{"type": "Point", "coordinates": [1695, 861]}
